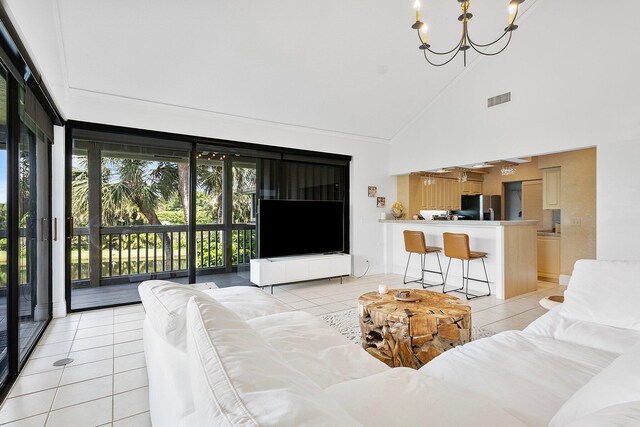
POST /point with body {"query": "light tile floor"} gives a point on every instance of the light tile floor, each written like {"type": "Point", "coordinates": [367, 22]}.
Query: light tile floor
{"type": "Point", "coordinates": [107, 383]}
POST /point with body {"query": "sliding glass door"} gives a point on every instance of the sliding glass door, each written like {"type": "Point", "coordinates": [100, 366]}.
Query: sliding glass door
{"type": "Point", "coordinates": [129, 218]}
{"type": "Point", "coordinates": [34, 241]}
{"type": "Point", "coordinates": [25, 224]}
{"type": "Point", "coordinates": [4, 360]}
{"type": "Point", "coordinates": [225, 216]}
{"type": "Point", "coordinates": [26, 137]}
{"type": "Point", "coordinates": [148, 205]}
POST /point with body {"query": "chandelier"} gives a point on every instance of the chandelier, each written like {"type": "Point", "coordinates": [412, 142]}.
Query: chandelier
{"type": "Point", "coordinates": [465, 42]}
{"type": "Point", "coordinates": [507, 170]}
{"type": "Point", "coordinates": [429, 180]}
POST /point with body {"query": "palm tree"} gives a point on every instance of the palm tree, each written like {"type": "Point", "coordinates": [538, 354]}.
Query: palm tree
{"type": "Point", "coordinates": [140, 185]}
{"type": "Point", "coordinates": [132, 190]}
{"type": "Point", "coordinates": [210, 182]}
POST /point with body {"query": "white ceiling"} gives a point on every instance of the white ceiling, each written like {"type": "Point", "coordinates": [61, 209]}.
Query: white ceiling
{"type": "Point", "coordinates": [344, 66]}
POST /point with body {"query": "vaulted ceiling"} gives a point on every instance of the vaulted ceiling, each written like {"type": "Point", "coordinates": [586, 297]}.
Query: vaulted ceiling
{"type": "Point", "coordinates": [344, 66]}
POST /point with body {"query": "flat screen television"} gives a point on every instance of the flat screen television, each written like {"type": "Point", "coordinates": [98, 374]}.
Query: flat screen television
{"type": "Point", "coordinates": [300, 227]}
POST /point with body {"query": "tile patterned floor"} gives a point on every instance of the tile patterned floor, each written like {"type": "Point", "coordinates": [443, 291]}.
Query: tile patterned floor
{"type": "Point", "coordinates": [107, 383]}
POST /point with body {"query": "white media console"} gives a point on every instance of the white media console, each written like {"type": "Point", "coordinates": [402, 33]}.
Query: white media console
{"type": "Point", "coordinates": [275, 271]}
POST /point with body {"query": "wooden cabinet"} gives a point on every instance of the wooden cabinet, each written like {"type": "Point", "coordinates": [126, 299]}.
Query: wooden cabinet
{"type": "Point", "coordinates": [454, 200]}
{"type": "Point", "coordinates": [476, 188]}
{"type": "Point", "coordinates": [428, 197]}
{"type": "Point", "coordinates": [551, 188]}
{"type": "Point", "coordinates": [443, 194]}
{"type": "Point", "coordinates": [471, 188]}
{"type": "Point", "coordinates": [549, 257]}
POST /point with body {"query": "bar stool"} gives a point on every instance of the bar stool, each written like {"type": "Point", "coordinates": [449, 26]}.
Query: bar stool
{"type": "Point", "coordinates": [415, 243]}
{"type": "Point", "coordinates": [456, 245]}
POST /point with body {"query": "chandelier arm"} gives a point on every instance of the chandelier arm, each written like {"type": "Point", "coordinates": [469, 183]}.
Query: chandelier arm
{"type": "Point", "coordinates": [499, 38]}
{"type": "Point", "coordinates": [457, 48]}
{"type": "Point", "coordinates": [441, 64]}
{"type": "Point", "coordinates": [471, 42]}
{"type": "Point", "coordinates": [494, 53]}
{"type": "Point", "coordinates": [438, 53]}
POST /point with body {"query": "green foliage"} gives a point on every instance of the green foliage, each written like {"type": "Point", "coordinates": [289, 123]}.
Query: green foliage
{"type": "Point", "coordinates": [139, 192]}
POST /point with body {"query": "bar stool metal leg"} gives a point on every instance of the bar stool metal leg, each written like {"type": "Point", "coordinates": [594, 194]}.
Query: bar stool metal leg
{"type": "Point", "coordinates": [447, 275]}
{"type": "Point", "coordinates": [423, 261]}
{"type": "Point", "coordinates": [470, 296]}
{"type": "Point", "coordinates": [464, 289]}
{"type": "Point", "coordinates": [406, 269]}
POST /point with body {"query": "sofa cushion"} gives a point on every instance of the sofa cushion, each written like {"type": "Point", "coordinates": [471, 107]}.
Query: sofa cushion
{"type": "Point", "coordinates": [617, 383]}
{"type": "Point", "coordinates": [621, 415]}
{"type": "Point", "coordinates": [604, 292]}
{"type": "Point", "coordinates": [238, 379]}
{"type": "Point", "coordinates": [247, 301]}
{"type": "Point", "coordinates": [165, 304]}
{"type": "Point", "coordinates": [588, 334]}
{"type": "Point", "coordinates": [527, 375]}
{"type": "Point", "coordinates": [314, 348]}
{"type": "Point", "coordinates": [405, 397]}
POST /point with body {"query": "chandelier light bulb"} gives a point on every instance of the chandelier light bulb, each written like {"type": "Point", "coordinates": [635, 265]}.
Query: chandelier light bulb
{"type": "Point", "coordinates": [416, 6]}
{"type": "Point", "coordinates": [424, 30]}
{"type": "Point", "coordinates": [513, 9]}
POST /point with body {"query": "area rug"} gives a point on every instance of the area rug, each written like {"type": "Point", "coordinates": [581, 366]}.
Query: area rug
{"type": "Point", "coordinates": [346, 322]}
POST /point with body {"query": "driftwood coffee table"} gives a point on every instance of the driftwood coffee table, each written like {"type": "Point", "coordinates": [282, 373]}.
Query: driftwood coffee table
{"type": "Point", "coordinates": [411, 334]}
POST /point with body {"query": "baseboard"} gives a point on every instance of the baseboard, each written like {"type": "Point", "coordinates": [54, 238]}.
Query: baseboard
{"type": "Point", "coordinates": [564, 279]}
{"type": "Point", "coordinates": [549, 278]}
{"type": "Point", "coordinates": [59, 309]}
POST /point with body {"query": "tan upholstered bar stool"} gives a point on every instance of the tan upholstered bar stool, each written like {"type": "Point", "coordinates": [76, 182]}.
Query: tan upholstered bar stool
{"type": "Point", "coordinates": [415, 243]}
{"type": "Point", "coordinates": [456, 245]}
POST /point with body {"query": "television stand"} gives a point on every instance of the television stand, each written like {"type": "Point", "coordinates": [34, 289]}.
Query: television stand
{"type": "Point", "coordinates": [278, 271]}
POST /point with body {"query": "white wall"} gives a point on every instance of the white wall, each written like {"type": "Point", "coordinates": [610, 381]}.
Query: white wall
{"type": "Point", "coordinates": [573, 77]}
{"type": "Point", "coordinates": [369, 165]}
{"type": "Point", "coordinates": [58, 211]}
{"type": "Point", "coordinates": [36, 24]}
{"type": "Point", "coordinates": [618, 201]}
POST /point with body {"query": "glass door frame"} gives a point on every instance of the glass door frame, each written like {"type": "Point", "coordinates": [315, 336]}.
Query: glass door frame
{"type": "Point", "coordinates": [15, 364]}
{"type": "Point", "coordinates": [235, 151]}
{"type": "Point", "coordinates": [118, 136]}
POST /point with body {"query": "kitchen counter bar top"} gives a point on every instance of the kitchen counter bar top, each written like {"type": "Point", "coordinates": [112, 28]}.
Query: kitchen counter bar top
{"type": "Point", "coordinates": [511, 246]}
{"type": "Point", "coordinates": [465, 223]}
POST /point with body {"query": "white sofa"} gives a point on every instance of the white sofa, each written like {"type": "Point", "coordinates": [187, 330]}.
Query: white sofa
{"type": "Point", "coordinates": [236, 356]}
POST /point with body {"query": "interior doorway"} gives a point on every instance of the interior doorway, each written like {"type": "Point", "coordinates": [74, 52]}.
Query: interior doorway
{"type": "Point", "coordinates": [513, 201]}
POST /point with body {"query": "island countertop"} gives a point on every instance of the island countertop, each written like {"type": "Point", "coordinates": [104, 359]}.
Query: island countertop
{"type": "Point", "coordinates": [460, 222]}
{"type": "Point", "coordinates": [511, 263]}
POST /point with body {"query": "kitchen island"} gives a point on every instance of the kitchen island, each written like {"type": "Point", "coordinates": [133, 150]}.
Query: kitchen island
{"type": "Point", "coordinates": [511, 247]}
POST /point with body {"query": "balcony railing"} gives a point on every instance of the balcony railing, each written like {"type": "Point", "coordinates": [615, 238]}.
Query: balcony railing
{"type": "Point", "coordinates": [158, 249]}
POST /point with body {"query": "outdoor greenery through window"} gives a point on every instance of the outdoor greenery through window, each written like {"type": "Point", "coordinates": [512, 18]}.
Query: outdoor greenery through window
{"type": "Point", "coordinates": [131, 198]}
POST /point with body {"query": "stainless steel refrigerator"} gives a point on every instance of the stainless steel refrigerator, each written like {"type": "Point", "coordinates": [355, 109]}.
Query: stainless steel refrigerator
{"type": "Point", "coordinates": [482, 207]}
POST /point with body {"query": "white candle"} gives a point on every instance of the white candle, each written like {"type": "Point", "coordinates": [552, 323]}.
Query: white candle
{"type": "Point", "coordinates": [382, 289]}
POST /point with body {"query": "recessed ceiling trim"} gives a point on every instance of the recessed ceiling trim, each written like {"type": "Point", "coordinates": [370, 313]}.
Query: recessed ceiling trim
{"type": "Point", "coordinates": [234, 117]}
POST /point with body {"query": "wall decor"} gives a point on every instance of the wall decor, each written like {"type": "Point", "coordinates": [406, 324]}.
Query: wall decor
{"type": "Point", "coordinates": [373, 191]}
{"type": "Point", "coordinates": [381, 202]}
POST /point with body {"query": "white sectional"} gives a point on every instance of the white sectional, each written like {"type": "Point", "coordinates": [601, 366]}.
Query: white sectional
{"type": "Point", "coordinates": [237, 356]}
{"type": "Point", "coordinates": [537, 374]}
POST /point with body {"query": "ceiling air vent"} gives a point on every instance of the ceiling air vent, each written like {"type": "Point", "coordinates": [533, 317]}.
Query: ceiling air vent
{"type": "Point", "coordinates": [500, 99]}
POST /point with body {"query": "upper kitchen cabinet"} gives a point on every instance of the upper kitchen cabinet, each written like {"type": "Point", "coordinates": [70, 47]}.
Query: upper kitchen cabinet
{"type": "Point", "coordinates": [551, 188]}
{"type": "Point", "coordinates": [442, 194]}
{"type": "Point", "coordinates": [471, 188]}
